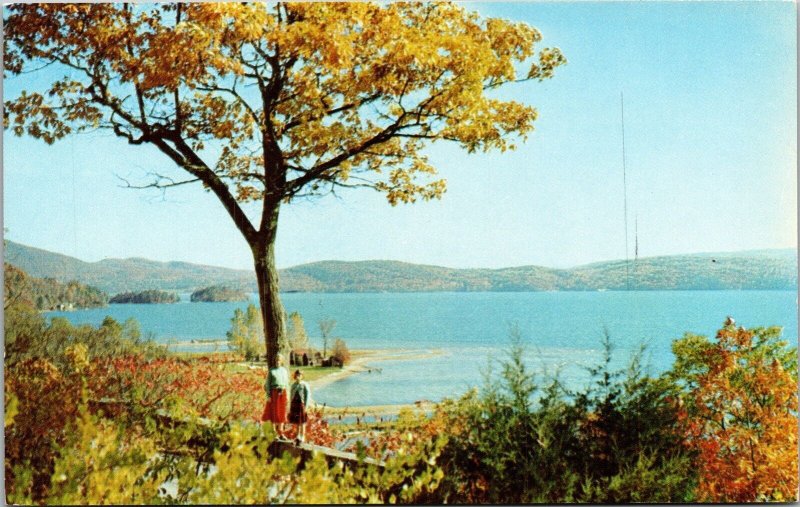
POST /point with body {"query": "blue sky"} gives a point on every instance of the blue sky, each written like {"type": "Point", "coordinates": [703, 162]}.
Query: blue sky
{"type": "Point", "coordinates": [711, 150]}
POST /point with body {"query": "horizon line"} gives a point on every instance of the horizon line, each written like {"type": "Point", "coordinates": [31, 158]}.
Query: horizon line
{"type": "Point", "coordinates": [725, 252]}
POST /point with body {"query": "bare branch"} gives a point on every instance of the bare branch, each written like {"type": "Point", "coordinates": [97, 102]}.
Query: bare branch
{"type": "Point", "coordinates": [160, 182]}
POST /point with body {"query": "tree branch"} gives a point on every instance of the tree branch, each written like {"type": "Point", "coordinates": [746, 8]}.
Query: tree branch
{"type": "Point", "coordinates": [367, 100]}
{"type": "Point", "coordinates": [160, 182]}
{"type": "Point", "coordinates": [232, 91]}
{"type": "Point", "coordinates": [183, 155]}
{"type": "Point", "coordinates": [318, 170]}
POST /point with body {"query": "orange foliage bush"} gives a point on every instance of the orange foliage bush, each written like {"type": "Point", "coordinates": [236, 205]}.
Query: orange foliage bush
{"type": "Point", "coordinates": [202, 384]}
{"type": "Point", "coordinates": [741, 410]}
{"type": "Point", "coordinates": [205, 385]}
{"type": "Point", "coordinates": [47, 399]}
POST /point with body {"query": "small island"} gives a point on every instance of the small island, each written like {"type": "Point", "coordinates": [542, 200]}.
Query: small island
{"type": "Point", "coordinates": [145, 297]}
{"type": "Point", "coordinates": [218, 294]}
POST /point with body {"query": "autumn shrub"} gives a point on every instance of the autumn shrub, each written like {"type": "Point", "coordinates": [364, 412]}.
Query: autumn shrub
{"type": "Point", "coordinates": [47, 365]}
{"type": "Point", "coordinates": [28, 336]}
{"type": "Point", "coordinates": [240, 470]}
{"type": "Point", "coordinates": [340, 351]}
{"type": "Point", "coordinates": [24, 334]}
{"type": "Point", "coordinates": [103, 462]}
{"type": "Point", "coordinates": [108, 461]}
{"type": "Point", "coordinates": [45, 400]}
{"type": "Point", "coordinates": [129, 389]}
{"type": "Point", "coordinates": [740, 405]}
{"type": "Point", "coordinates": [205, 387]}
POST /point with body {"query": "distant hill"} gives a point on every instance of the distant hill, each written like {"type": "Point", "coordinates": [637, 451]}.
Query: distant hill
{"type": "Point", "coordinates": [125, 275]}
{"type": "Point", "coordinates": [766, 270]}
{"type": "Point", "coordinates": [761, 269]}
{"type": "Point", "coordinates": [47, 293]}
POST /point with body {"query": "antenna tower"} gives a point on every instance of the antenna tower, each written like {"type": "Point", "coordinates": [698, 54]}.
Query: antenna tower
{"type": "Point", "coordinates": [625, 191]}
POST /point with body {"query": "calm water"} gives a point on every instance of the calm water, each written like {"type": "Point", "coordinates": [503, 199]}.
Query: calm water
{"type": "Point", "coordinates": [562, 331]}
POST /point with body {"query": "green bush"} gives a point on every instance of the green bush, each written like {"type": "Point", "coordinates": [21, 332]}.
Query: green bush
{"type": "Point", "coordinates": [618, 440]}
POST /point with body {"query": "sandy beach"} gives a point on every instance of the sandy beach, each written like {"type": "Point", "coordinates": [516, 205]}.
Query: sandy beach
{"type": "Point", "coordinates": [363, 360]}
{"type": "Point", "coordinates": [366, 361]}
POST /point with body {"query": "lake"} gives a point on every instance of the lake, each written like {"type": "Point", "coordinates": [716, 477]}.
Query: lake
{"type": "Point", "coordinates": [561, 330]}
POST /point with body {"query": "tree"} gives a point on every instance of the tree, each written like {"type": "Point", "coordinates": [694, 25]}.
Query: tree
{"type": "Point", "coordinates": [326, 328]}
{"type": "Point", "coordinates": [741, 409]}
{"type": "Point", "coordinates": [340, 351]}
{"type": "Point", "coordinates": [245, 334]}
{"type": "Point", "coordinates": [298, 339]}
{"type": "Point", "coordinates": [17, 286]}
{"type": "Point", "coordinates": [274, 102]}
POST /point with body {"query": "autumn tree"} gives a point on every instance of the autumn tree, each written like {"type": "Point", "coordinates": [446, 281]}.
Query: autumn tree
{"type": "Point", "coordinates": [340, 351]}
{"type": "Point", "coordinates": [298, 338]}
{"type": "Point", "coordinates": [326, 328]}
{"type": "Point", "coordinates": [741, 410]}
{"type": "Point", "coordinates": [271, 102]}
{"type": "Point", "coordinates": [245, 335]}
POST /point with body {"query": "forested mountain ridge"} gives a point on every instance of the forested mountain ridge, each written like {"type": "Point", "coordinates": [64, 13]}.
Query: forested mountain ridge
{"type": "Point", "coordinates": [763, 269]}
{"type": "Point", "coordinates": [47, 293]}
{"type": "Point", "coordinates": [124, 275]}
{"type": "Point", "coordinates": [759, 270]}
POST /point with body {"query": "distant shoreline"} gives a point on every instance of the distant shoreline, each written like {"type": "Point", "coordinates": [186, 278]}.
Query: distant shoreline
{"type": "Point", "coordinates": [490, 291]}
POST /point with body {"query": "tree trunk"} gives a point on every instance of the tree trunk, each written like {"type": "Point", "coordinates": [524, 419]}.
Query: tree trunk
{"type": "Point", "coordinates": [272, 312]}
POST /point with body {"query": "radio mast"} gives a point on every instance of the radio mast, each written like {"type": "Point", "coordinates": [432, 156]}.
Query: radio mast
{"type": "Point", "coordinates": [625, 192]}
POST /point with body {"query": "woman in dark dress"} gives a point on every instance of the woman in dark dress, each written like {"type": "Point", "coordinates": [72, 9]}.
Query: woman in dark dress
{"type": "Point", "coordinates": [300, 398]}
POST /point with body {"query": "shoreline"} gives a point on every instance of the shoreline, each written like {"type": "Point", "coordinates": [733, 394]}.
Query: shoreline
{"type": "Point", "coordinates": [362, 361]}
{"type": "Point", "coordinates": [360, 364]}
{"type": "Point", "coordinates": [363, 356]}
{"type": "Point", "coordinates": [374, 411]}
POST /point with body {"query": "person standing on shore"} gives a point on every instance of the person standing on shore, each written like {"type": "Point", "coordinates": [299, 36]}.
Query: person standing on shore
{"type": "Point", "coordinates": [300, 398]}
{"type": "Point", "coordinates": [277, 386]}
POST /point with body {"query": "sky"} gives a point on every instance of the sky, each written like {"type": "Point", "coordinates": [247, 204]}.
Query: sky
{"type": "Point", "coordinates": [710, 117]}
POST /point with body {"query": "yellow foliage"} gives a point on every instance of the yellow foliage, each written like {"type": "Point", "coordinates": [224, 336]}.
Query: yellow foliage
{"type": "Point", "coordinates": [11, 408]}
{"type": "Point", "coordinates": [299, 97]}
{"type": "Point", "coordinates": [102, 465]}
{"type": "Point", "coordinates": [78, 356]}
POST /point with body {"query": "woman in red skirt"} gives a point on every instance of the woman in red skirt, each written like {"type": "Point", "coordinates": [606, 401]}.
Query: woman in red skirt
{"type": "Point", "coordinates": [277, 387]}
